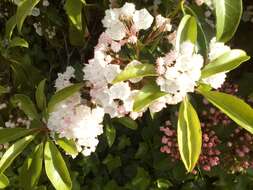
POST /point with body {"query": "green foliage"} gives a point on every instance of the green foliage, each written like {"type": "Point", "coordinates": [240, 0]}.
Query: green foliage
{"type": "Point", "coordinates": [56, 168]}
{"type": "Point", "coordinates": [136, 71]}
{"type": "Point", "coordinates": [12, 134]}
{"type": "Point", "coordinates": [228, 16]}
{"type": "Point", "coordinates": [189, 135]}
{"type": "Point", "coordinates": [68, 146]}
{"type": "Point", "coordinates": [40, 95]}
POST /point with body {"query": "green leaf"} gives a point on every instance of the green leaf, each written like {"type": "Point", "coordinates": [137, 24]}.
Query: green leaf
{"type": "Point", "coordinates": [228, 16]}
{"type": "Point", "coordinates": [40, 95]}
{"type": "Point", "coordinates": [3, 90]}
{"type": "Point", "coordinates": [76, 37]}
{"type": "Point", "coordinates": [110, 134]}
{"type": "Point", "coordinates": [142, 179]}
{"type": "Point", "coordinates": [14, 150]}
{"type": "Point", "coordinates": [187, 31]}
{"type": "Point", "coordinates": [73, 9]}
{"type": "Point", "coordinates": [126, 122]}
{"type": "Point", "coordinates": [112, 162]}
{"type": "Point", "coordinates": [233, 107]}
{"type": "Point", "coordinates": [189, 135]}
{"type": "Point", "coordinates": [56, 168]}
{"type": "Point", "coordinates": [136, 71]}
{"type": "Point", "coordinates": [147, 95]}
{"type": "Point", "coordinates": [31, 169]}
{"type": "Point", "coordinates": [24, 9]}
{"type": "Point", "coordinates": [25, 104]}
{"type": "Point", "coordinates": [226, 62]}
{"type": "Point", "coordinates": [18, 42]}
{"type": "Point", "coordinates": [68, 145]}
{"type": "Point", "coordinates": [9, 27]}
{"type": "Point", "coordinates": [163, 183]}
{"type": "Point", "coordinates": [63, 94]}
{"type": "Point", "coordinates": [4, 181]}
{"type": "Point", "coordinates": [12, 134]}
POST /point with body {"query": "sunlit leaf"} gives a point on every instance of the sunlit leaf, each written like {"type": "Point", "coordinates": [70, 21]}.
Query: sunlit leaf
{"type": "Point", "coordinates": [68, 145]}
{"type": "Point", "coordinates": [224, 63]}
{"type": "Point", "coordinates": [228, 16]}
{"type": "Point", "coordinates": [136, 71]}
{"type": "Point", "coordinates": [4, 181]}
{"type": "Point", "coordinates": [127, 122]}
{"type": "Point", "coordinates": [189, 135]}
{"type": "Point", "coordinates": [56, 168]}
{"type": "Point", "coordinates": [18, 42]}
{"type": "Point", "coordinates": [13, 151]}
{"type": "Point", "coordinates": [12, 134]}
{"type": "Point", "coordinates": [233, 107]}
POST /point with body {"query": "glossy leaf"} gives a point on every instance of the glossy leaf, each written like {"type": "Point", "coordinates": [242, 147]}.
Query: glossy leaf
{"type": "Point", "coordinates": [147, 95]}
{"type": "Point", "coordinates": [63, 94]}
{"type": "Point", "coordinates": [12, 134]}
{"type": "Point", "coordinates": [136, 71]}
{"type": "Point", "coordinates": [233, 107]}
{"type": "Point", "coordinates": [4, 181]}
{"type": "Point", "coordinates": [56, 168]}
{"type": "Point", "coordinates": [13, 151]}
{"type": "Point", "coordinates": [228, 16]}
{"type": "Point", "coordinates": [226, 62]}
{"type": "Point", "coordinates": [40, 95]}
{"type": "Point", "coordinates": [25, 104]}
{"type": "Point", "coordinates": [187, 31]}
{"type": "Point", "coordinates": [73, 9]}
{"type": "Point", "coordinates": [127, 122]}
{"type": "Point", "coordinates": [9, 27]}
{"type": "Point", "coordinates": [189, 135]}
{"type": "Point", "coordinates": [18, 42]}
{"type": "Point", "coordinates": [24, 9]}
{"type": "Point", "coordinates": [68, 145]}
{"type": "Point", "coordinates": [110, 132]}
{"type": "Point", "coordinates": [31, 169]}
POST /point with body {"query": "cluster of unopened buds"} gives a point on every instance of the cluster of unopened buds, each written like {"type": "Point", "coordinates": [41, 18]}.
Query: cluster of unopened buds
{"type": "Point", "coordinates": [210, 154]}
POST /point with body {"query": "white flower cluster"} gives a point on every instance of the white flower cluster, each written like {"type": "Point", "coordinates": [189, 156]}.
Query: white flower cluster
{"type": "Point", "coordinates": [126, 21]}
{"type": "Point", "coordinates": [216, 49]}
{"type": "Point", "coordinates": [73, 119]}
{"type": "Point", "coordinates": [179, 72]}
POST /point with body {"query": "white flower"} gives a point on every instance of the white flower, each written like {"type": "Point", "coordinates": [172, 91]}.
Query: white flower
{"type": "Point", "coordinates": [163, 22]}
{"type": "Point", "coordinates": [216, 49]}
{"type": "Point", "coordinates": [115, 46]}
{"type": "Point", "coordinates": [128, 9]}
{"type": "Point", "coordinates": [62, 80]}
{"type": "Point", "coordinates": [35, 12]}
{"type": "Point", "coordinates": [120, 91]}
{"type": "Point", "coordinates": [142, 19]}
{"type": "Point", "coordinates": [111, 17]}
{"type": "Point", "coordinates": [216, 80]}
{"type": "Point", "coordinates": [180, 72]}
{"type": "Point", "coordinates": [45, 3]}
{"type": "Point", "coordinates": [117, 31]}
{"type": "Point", "coordinates": [111, 72]}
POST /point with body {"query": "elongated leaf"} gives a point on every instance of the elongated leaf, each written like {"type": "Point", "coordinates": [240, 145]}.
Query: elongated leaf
{"type": "Point", "coordinates": [62, 95]}
{"type": "Point", "coordinates": [69, 146]}
{"type": "Point", "coordinates": [189, 135]}
{"type": "Point", "coordinates": [31, 169]}
{"type": "Point", "coordinates": [18, 42]}
{"type": "Point", "coordinates": [56, 168]}
{"type": "Point", "coordinates": [9, 27]}
{"type": "Point", "coordinates": [24, 9]}
{"type": "Point", "coordinates": [187, 31]}
{"type": "Point", "coordinates": [14, 151]}
{"type": "Point", "coordinates": [126, 122]}
{"type": "Point", "coordinates": [147, 95]}
{"type": "Point", "coordinates": [110, 132]}
{"type": "Point", "coordinates": [4, 181]}
{"type": "Point", "coordinates": [40, 95]}
{"type": "Point", "coordinates": [73, 9]}
{"type": "Point", "coordinates": [226, 62]}
{"type": "Point", "coordinates": [228, 16]}
{"type": "Point", "coordinates": [136, 71]}
{"type": "Point", "coordinates": [25, 104]}
{"type": "Point", "coordinates": [233, 107]}
{"type": "Point", "coordinates": [12, 134]}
